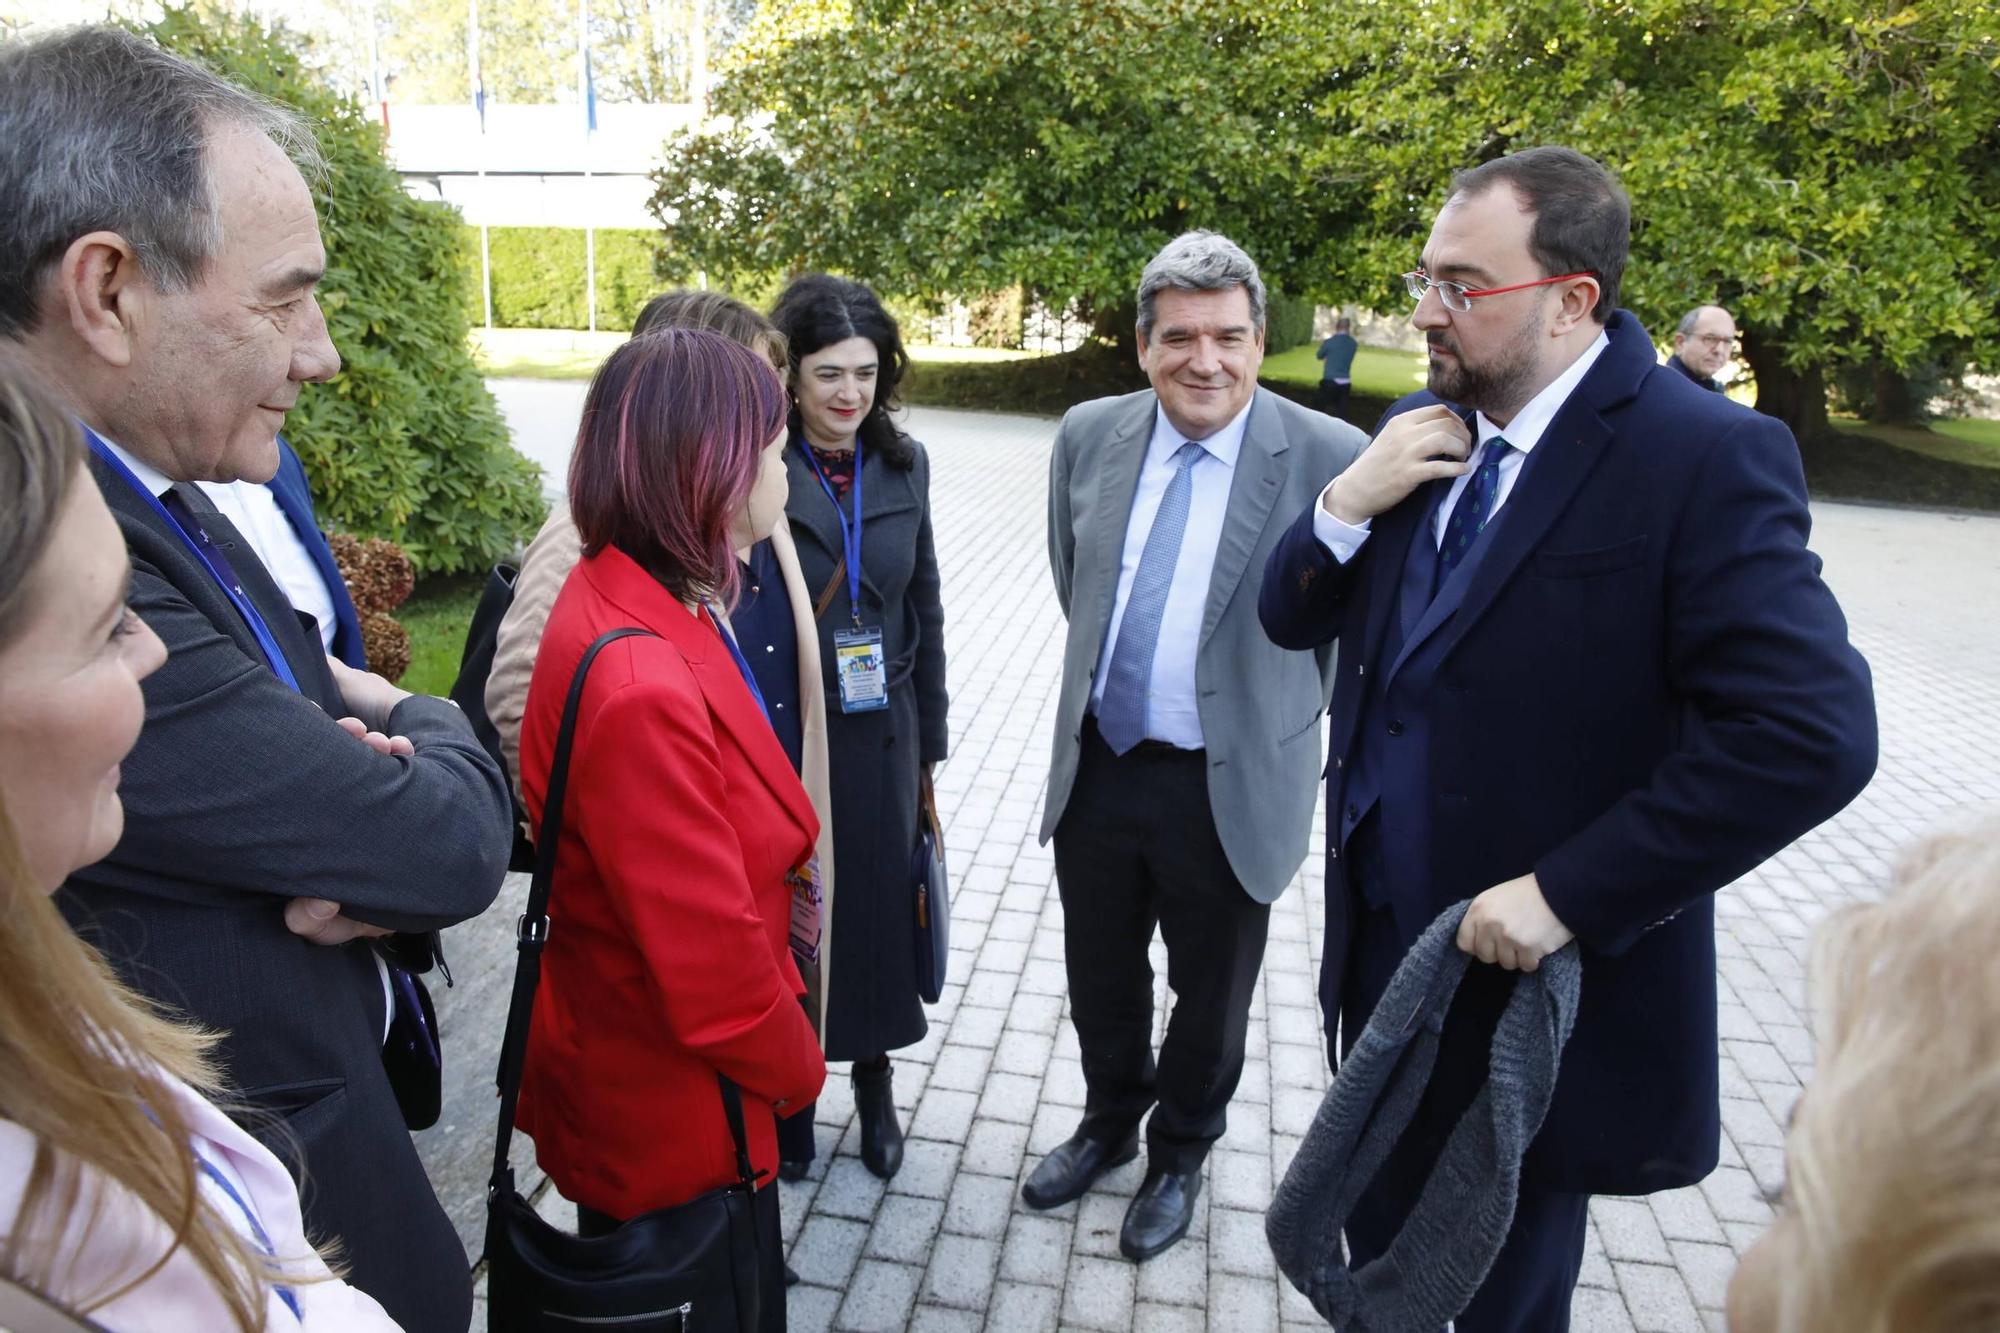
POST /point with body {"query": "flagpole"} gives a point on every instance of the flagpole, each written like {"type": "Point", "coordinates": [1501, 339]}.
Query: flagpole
{"type": "Point", "coordinates": [588, 87]}
{"type": "Point", "coordinates": [479, 106]}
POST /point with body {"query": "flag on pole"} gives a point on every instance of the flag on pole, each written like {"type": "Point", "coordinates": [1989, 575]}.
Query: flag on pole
{"type": "Point", "coordinates": [589, 95]}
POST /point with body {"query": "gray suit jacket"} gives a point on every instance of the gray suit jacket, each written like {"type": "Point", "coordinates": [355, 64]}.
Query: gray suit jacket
{"type": "Point", "coordinates": [1260, 704]}
{"type": "Point", "coordinates": [242, 794]}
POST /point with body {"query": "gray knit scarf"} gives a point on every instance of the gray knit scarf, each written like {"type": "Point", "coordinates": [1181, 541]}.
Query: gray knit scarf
{"type": "Point", "coordinates": [1432, 1269]}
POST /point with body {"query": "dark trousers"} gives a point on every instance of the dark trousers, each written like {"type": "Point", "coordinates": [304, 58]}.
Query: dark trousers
{"type": "Point", "coordinates": [1529, 1288]}
{"type": "Point", "coordinates": [1332, 398]}
{"type": "Point", "coordinates": [1137, 849]}
{"type": "Point", "coordinates": [770, 1253]}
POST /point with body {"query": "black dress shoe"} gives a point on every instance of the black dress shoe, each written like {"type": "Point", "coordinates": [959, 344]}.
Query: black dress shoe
{"type": "Point", "coordinates": [791, 1276]}
{"type": "Point", "coordinates": [1068, 1171]}
{"type": "Point", "coordinates": [881, 1135]}
{"type": "Point", "coordinates": [793, 1172]}
{"type": "Point", "coordinates": [1160, 1213]}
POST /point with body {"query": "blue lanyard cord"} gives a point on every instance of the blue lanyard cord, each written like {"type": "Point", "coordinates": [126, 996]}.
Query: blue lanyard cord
{"type": "Point", "coordinates": [257, 1232]}
{"type": "Point", "coordinates": [210, 560]}
{"type": "Point", "coordinates": [850, 535]}
{"type": "Point", "coordinates": [742, 662]}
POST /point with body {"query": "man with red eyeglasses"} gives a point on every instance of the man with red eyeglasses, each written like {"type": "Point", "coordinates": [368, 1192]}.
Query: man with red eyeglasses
{"type": "Point", "coordinates": [1588, 675]}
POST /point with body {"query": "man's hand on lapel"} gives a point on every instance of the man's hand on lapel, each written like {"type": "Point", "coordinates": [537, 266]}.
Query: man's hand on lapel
{"type": "Point", "coordinates": [1510, 924]}
{"type": "Point", "coordinates": [1416, 447]}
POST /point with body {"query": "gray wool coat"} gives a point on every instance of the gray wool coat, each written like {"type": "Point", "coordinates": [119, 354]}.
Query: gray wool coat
{"type": "Point", "coordinates": [875, 759]}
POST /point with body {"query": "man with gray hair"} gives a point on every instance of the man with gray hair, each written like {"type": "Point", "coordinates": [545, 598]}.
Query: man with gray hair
{"type": "Point", "coordinates": [1186, 745]}
{"type": "Point", "coordinates": [1703, 344]}
{"type": "Point", "coordinates": [293, 827]}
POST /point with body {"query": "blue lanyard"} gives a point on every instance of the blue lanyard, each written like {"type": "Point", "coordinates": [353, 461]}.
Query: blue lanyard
{"type": "Point", "coordinates": [742, 662]}
{"type": "Point", "coordinates": [850, 535]}
{"type": "Point", "coordinates": [257, 1231]}
{"type": "Point", "coordinates": [272, 653]}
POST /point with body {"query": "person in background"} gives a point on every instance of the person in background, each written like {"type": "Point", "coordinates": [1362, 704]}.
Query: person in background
{"type": "Point", "coordinates": [1703, 344]}
{"type": "Point", "coordinates": [860, 513]}
{"type": "Point", "coordinates": [1336, 376]}
{"type": "Point", "coordinates": [772, 617]}
{"type": "Point", "coordinates": [684, 866]}
{"type": "Point", "coordinates": [125, 1193]}
{"type": "Point", "coordinates": [1890, 1220]}
{"type": "Point", "coordinates": [280, 879]}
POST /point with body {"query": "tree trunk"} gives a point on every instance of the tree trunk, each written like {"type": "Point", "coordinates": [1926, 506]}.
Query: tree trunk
{"type": "Point", "coordinates": [1894, 401]}
{"type": "Point", "coordinates": [1795, 397]}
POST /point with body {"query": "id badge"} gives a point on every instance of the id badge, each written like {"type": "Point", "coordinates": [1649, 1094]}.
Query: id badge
{"type": "Point", "coordinates": [807, 904]}
{"type": "Point", "coordinates": [864, 676]}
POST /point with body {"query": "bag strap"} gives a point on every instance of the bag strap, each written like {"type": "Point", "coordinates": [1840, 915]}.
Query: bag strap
{"type": "Point", "coordinates": [825, 598]}
{"type": "Point", "coordinates": [532, 935]}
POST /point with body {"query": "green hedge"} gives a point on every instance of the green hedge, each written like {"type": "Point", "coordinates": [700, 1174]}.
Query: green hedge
{"type": "Point", "coordinates": [1288, 322]}
{"type": "Point", "coordinates": [538, 276]}
{"type": "Point", "coordinates": [404, 443]}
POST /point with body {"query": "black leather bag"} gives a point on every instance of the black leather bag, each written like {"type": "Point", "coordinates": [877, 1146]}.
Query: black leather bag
{"type": "Point", "coordinates": [468, 691]}
{"type": "Point", "coordinates": [692, 1266]}
{"type": "Point", "coordinates": [933, 890]}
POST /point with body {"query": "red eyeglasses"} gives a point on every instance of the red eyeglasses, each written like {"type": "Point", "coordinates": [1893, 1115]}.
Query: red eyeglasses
{"type": "Point", "coordinates": [1459, 297]}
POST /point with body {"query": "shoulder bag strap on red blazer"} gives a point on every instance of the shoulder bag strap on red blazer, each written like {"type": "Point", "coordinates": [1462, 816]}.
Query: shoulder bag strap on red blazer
{"type": "Point", "coordinates": [532, 934]}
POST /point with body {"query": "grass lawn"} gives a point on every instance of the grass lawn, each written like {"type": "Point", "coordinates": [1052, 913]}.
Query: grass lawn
{"type": "Point", "coordinates": [541, 354]}
{"type": "Point", "coordinates": [1974, 443]}
{"type": "Point", "coordinates": [436, 617]}
{"type": "Point", "coordinates": [1379, 372]}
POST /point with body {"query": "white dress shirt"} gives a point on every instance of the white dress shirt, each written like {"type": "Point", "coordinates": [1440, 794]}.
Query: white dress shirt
{"type": "Point", "coordinates": [1524, 432]}
{"type": "Point", "coordinates": [255, 511]}
{"type": "Point", "coordinates": [1171, 714]}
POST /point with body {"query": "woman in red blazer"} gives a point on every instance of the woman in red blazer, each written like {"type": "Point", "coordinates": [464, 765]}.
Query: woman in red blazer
{"type": "Point", "coordinates": [668, 958]}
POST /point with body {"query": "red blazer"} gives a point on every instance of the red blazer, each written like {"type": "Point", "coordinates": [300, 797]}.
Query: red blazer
{"type": "Point", "coordinates": [667, 957]}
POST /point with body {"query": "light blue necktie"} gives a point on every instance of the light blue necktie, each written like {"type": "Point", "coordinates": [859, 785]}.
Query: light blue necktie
{"type": "Point", "coordinates": [1121, 713]}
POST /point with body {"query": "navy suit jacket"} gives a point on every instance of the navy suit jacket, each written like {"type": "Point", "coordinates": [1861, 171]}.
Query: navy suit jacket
{"type": "Point", "coordinates": [294, 495]}
{"type": "Point", "coordinates": [1644, 690]}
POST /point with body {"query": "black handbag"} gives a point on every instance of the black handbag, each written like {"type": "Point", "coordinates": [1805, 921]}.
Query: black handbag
{"type": "Point", "coordinates": [692, 1266]}
{"type": "Point", "coordinates": [933, 889]}
{"type": "Point", "coordinates": [468, 691]}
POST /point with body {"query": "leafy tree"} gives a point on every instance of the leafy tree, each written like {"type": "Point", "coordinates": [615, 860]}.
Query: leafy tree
{"type": "Point", "coordinates": [405, 442]}
{"type": "Point", "coordinates": [1828, 169]}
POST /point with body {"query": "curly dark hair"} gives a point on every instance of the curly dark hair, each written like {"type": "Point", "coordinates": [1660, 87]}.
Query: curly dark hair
{"type": "Point", "coordinates": [818, 310]}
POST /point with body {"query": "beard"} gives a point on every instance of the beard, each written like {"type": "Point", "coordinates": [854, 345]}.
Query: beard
{"type": "Point", "coordinates": [1499, 386]}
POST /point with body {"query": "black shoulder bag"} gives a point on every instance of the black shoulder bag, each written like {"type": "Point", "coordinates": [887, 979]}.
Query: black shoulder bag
{"type": "Point", "coordinates": [693, 1266]}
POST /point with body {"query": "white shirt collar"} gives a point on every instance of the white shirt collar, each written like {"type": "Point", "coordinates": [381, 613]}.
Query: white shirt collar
{"type": "Point", "coordinates": [1529, 424]}
{"type": "Point", "coordinates": [1224, 445]}
{"type": "Point", "coordinates": [154, 480]}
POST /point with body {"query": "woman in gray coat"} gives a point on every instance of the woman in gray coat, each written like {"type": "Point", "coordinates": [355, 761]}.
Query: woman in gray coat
{"type": "Point", "coordinates": [861, 519]}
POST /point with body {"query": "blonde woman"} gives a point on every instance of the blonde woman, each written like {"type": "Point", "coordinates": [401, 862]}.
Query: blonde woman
{"type": "Point", "coordinates": [125, 1194]}
{"type": "Point", "coordinates": [1891, 1216]}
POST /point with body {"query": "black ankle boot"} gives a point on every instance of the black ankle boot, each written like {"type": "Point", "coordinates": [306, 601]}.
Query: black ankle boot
{"type": "Point", "coordinates": [881, 1135]}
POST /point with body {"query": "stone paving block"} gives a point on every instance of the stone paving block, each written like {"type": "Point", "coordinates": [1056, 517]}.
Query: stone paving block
{"type": "Point", "coordinates": [849, 1190]}
{"type": "Point", "coordinates": [1168, 1318]}
{"type": "Point", "coordinates": [1236, 1243]}
{"type": "Point", "coordinates": [1657, 1299]}
{"type": "Point", "coordinates": [1684, 1214]}
{"type": "Point", "coordinates": [1036, 1249]}
{"type": "Point", "coordinates": [1295, 1066]}
{"type": "Point", "coordinates": [961, 1272]}
{"type": "Point", "coordinates": [944, 1319]}
{"type": "Point", "coordinates": [1293, 1109]}
{"type": "Point", "coordinates": [927, 1169]}
{"type": "Point", "coordinates": [944, 1115]}
{"type": "Point", "coordinates": [1240, 1179]}
{"type": "Point", "coordinates": [1178, 1277]}
{"type": "Point", "coordinates": [1064, 1083]}
{"type": "Point", "coordinates": [978, 1027]}
{"type": "Point", "coordinates": [1242, 1304]}
{"type": "Point", "coordinates": [810, 1309]}
{"type": "Point", "coordinates": [1707, 1269]}
{"type": "Point", "coordinates": [1008, 956]}
{"type": "Point", "coordinates": [1629, 1230]}
{"type": "Point", "coordinates": [1024, 1053]}
{"type": "Point", "coordinates": [1042, 976]}
{"type": "Point", "coordinates": [1010, 1097]}
{"type": "Point", "coordinates": [1098, 1294]}
{"type": "Point", "coordinates": [1099, 1218]}
{"type": "Point", "coordinates": [1749, 1121]}
{"type": "Point", "coordinates": [1011, 925]}
{"type": "Point", "coordinates": [880, 1299]}
{"type": "Point", "coordinates": [995, 1148]}
{"type": "Point", "coordinates": [1053, 1124]}
{"type": "Point", "coordinates": [827, 1250]}
{"type": "Point", "coordinates": [1761, 1061]}
{"type": "Point", "coordinates": [979, 1205]}
{"type": "Point", "coordinates": [1733, 1194]}
{"type": "Point", "coordinates": [1248, 1127]}
{"type": "Point", "coordinates": [1035, 1013]}
{"type": "Point", "coordinates": [1294, 1308]}
{"type": "Point", "coordinates": [905, 1229]}
{"type": "Point", "coordinates": [1598, 1310]}
{"type": "Point", "coordinates": [1596, 1270]}
{"type": "Point", "coordinates": [960, 1068]}
{"type": "Point", "coordinates": [1028, 1309]}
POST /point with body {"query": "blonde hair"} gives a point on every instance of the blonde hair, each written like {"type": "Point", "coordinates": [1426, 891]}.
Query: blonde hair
{"type": "Point", "coordinates": [1893, 1157]}
{"type": "Point", "coordinates": [85, 1063]}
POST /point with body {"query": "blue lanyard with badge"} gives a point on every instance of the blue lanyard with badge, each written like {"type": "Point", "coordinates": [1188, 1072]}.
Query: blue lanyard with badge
{"type": "Point", "coordinates": [203, 550]}
{"type": "Point", "coordinates": [858, 661]}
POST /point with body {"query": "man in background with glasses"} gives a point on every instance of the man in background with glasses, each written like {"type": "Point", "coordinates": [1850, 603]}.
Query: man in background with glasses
{"type": "Point", "coordinates": [1587, 676]}
{"type": "Point", "coordinates": [1703, 344]}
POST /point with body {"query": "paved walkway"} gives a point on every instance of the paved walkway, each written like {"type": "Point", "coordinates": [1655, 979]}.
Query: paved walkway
{"type": "Point", "coordinates": [948, 1245]}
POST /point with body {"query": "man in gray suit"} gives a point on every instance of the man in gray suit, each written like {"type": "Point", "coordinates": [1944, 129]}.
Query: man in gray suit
{"type": "Point", "coordinates": [288, 819]}
{"type": "Point", "coordinates": [1187, 746]}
